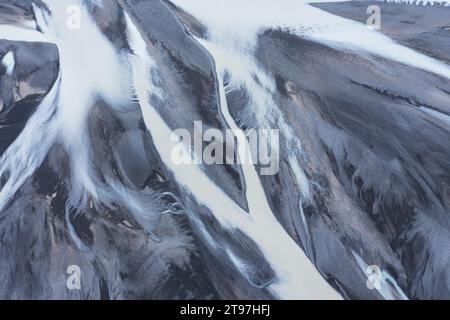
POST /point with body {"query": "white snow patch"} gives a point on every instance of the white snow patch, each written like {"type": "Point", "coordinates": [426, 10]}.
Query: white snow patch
{"type": "Point", "coordinates": [9, 62]}
{"type": "Point", "coordinates": [236, 24]}
{"type": "Point", "coordinates": [90, 68]}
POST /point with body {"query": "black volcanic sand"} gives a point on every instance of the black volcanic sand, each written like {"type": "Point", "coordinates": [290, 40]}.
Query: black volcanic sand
{"type": "Point", "coordinates": [36, 70]}
{"type": "Point", "coordinates": [377, 162]}
{"type": "Point", "coordinates": [123, 255]}
{"type": "Point", "coordinates": [424, 28]}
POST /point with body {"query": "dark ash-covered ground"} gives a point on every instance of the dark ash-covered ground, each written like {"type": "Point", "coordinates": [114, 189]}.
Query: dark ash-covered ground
{"type": "Point", "coordinates": [374, 134]}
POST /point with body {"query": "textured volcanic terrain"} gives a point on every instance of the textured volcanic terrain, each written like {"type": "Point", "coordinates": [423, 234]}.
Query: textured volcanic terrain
{"type": "Point", "coordinates": [87, 179]}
